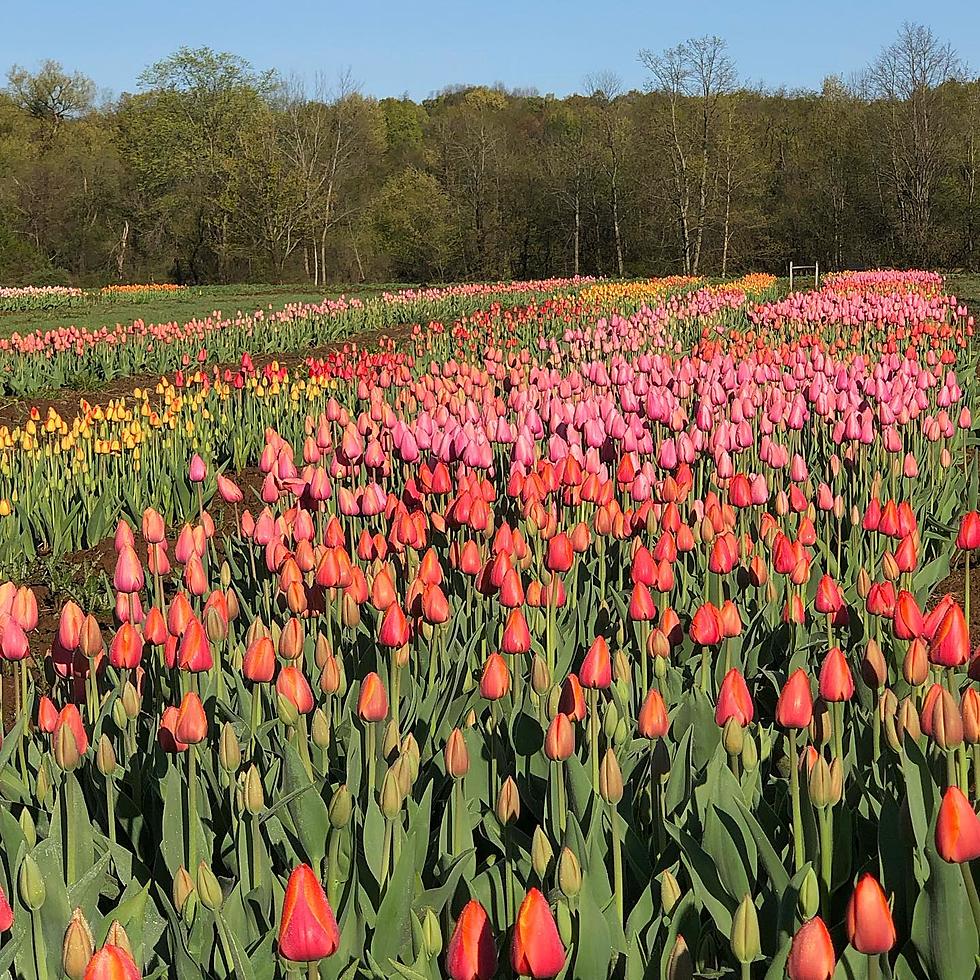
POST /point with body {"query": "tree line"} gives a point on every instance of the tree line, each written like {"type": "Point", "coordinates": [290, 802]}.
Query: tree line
{"type": "Point", "coordinates": [214, 171]}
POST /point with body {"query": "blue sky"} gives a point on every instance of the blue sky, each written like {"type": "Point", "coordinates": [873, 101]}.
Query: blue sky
{"type": "Point", "coordinates": [420, 46]}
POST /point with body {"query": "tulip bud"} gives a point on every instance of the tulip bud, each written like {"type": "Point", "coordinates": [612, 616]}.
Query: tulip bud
{"type": "Point", "coordinates": [540, 676]}
{"type": "Point", "coordinates": [183, 888]}
{"type": "Point", "coordinates": [42, 785]}
{"type": "Point", "coordinates": [320, 730]}
{"type": "Point", "coordinates": [670, 892]}
{"type": "Point", "coordinates": [680, 965]}
{"type": "Point", "coordinates": [622, 673]}
{"type": "Point", "coordinates": [288, 713]}
{"type": "Point", "coordinates": [750, 753]}
{"type": "Point", "coordinates": [820, 783]}
{"type": "Point", "coordinates": [119, 714]}
{"type": "Point", "coordinates": [431, 934]}
{"type": "Point", "coordinates": [30, 883]}
{"type": "Point", "coordinates": [907, 719]}
{"type": "Point", "coordinates": [412, 755]}
{"type": "Point", "coordinates": [836, 780]}
{"type": "Point", "coordinates": [456, 755]}
{"type": "Point", "coordinates": [66, 752]}
{"type": "Point", "coordinates": [391, 740]}
{"type": "Point", "coordinates": [746, 945]}
{"type": "Point", "coordinates": [208, 888]}
{"type": "Point", "coordinates": [131, 700]}
{"type": "Point", "coordinates": [542, 852]}
{"type": "Point", "coordinates": [863, 583]}
{"type": "Point", "coordinates": [809, 897]}
{"type": "Point", "coordinates": [341, 807]}
{"type": "Point", "coordinates": [563, 919]}
{"type": "Point", "coordinates": [117, 936]}
{"type": "Point", "coordinates": [391, 795]}
{"type": "Point", "coordinates": [569, 873]}
{"type": "Point", "coordinates": [508, 803]}
{"type": "Point", "coordinates": [28, 829]}
{"type": "Point", "coordinates": [733, 737]}
{"type": "Point", "coordinates": [254, 794]}
{"type": "Point", "coordinates": [105, 757]}
{"type": "Point", "coordinates": [229, 751]}
{"type": "Point", "coordinates": [77, 947]}
{"type": "Point", "coordinates": [610, 778]}
{"type": "Point", "coordinates": [610, 720]}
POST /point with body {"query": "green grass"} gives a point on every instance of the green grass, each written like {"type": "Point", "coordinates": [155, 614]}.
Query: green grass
{"type": "Point", "coordinates": [197, 301]}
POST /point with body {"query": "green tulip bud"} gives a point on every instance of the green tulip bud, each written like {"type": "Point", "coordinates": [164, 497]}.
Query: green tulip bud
{"type": "Point", "coordinates": [431, 934]}
{"type": "Point", "coordinates": [820, 783]}
{"type": "Point", "coordinates": [119, 715]}
{"type": "Point", "coordinates": [229, 751]}
{"type": "Point", "coordinates": [745, 932]}
{"type": "Point", "coordinates": [411, 755]}
{"type": "Point", "coordinates": [254, 792]}
{"type": "Point", "coordinates": [403, 773]}
{"type": "Point", "coordinates": [670, 891]}
{"type": "Point", "coordinates": [391, 741]}
{"type": "Point", "coordinates": [554, 697]}
{"type": "Point", "coordinates": [288, 714]}
{"type": "Point", "coordinates": [391, 796]}
{"type": "Point", "coordinates": [224, 576]}
{"type": "Point", "coordinates": [569, 873]}
{"type": "Point", "coordinates": [189, 912]}
{"type": "Point", "coordinates": [30, 883]}
{"type": "Point", "coordinates": [733, 737]}
{"type": "Point", "coordinates": [28, 829]}
{"type": "Point", "coordinates": [105, 756]}
{"type": "Point", "coordinates": [117, 936]}
{"type": "Point", "coordinates": [42, 785]}
{"type": "Point", "coordinates": [131, 700]}
{"type": "Point", "coordinates": [208, 888]}
{"type": "Point", "coordinates": [542, 852]}
{"type": "Point", "coordinates": [750, 753]}
{"type": "Point", "coordinates": [809, 898]}
{"type": "Point", "coordinates": [320, 730]}
{"type": "Point", "coordinates": [341, 807]}
{"type": "Point", "coordinates": [610, 720]}
{"type": "Point", "coordinates": [77, 947]}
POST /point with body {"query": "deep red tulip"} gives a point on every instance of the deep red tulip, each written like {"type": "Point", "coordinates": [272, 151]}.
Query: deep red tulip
{"type": "Point", "coordinates": [394, 630]}
{"type": "Point", "coordinates": [705, 626]}
{"type": "Point", "coordinates": [968, 537]}
{"type": "Point", "coordinates": [471, 954]}
{"type": "Point", "coordinates": [950, 644]}
{"type": "Point", "coordinates": [307, 928]}
{"type": "Point", "coordinates": [907, 620]}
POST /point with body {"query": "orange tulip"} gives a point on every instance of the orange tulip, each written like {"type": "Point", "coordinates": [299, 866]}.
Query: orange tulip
{"type": "Point", "coordinates": [811, 956]}
{"type": "Point", "coordinates": [372, 702]}
{"type": "Point", "coordinates": [652, 721]}
{"type": "Point", "coordinates": [495, 680]}
{"type": "Point", "coordinates": [307, 929]}
{"type": "Point", "coordinates": [870, 928]}
{"type": "Point", "coordinates": [536, 948]}
{"type": "Point", "coordinates": [596, 669]}
{"type": "Point", "coordinates": [794, 709]}
{"type": "Point", "coordinates": [836, 682]}
{"type": "Point", "coordinates": [293, 686]}
{"type": "Point", "coordinates": [734, 700]}
{"type": "Point", "coordinates": [957, 828]}
{"type": "Point", "coordinates": [112, 963]}
{"type": "Point", "coordinates": [191, 724]}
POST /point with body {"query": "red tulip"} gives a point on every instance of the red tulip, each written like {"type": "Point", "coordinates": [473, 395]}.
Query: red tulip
{"type": "Point", "coordinates": [794, 709]}
{"type": "Point", "coordinates": [516, 638]}
{"type": "Point", "coordinates": [6, 913]}
{"type": "Point", "coordinates": [870, 928]}
{"type": "Point", "coordinates": [259, 662]}
{"type": "Point", "coordinates": [957, 828]}
{"type": "Point", "coordinates": [471, 954]}
{"type": "Point", "coordinates": [112, 963]}
{"type": "Point", "coordinates": [907, 620]}
{"type": "Point", "coordinates": [734, 700]}
{"type": "Point", "coordinates": [811, 956]}
{"type": "Point", "coordinates": [652, 722]}
{"type": "Point", "coordinates": [560, 553]}
{"type": "Point", "coordinates": [394, 630]}
{"type": "Point", "coordinates": [559, 740]}
{"type": "Point", "coordinates": [705, 626]}
{"type": "Point", "coordinates": [126, 649]}
{"type": "Point", "coordinates": [293, 686]}
{"type": "Point", "coordinates": [836, 682]}
{"type": "Point", "coordinates": [307, 929]}
{"type": "Point", "coordinates": [536, 948]}
{"type": "Point", "coordinates": [571, 702]}
{"type": "Point", "coordinates": [969, 533]}
{"type": "Point", "coordinates": [596, 669]}
{"type": "Point", "coordinates": [194, 651]}
{"type": "Point", "coordinates": [950, 645]}
{"type": "Point", "coordinates": [70, 717]}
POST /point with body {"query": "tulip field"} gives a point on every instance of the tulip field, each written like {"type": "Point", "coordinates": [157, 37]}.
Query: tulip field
{"type": "Point", "coordinates": [593, 630]}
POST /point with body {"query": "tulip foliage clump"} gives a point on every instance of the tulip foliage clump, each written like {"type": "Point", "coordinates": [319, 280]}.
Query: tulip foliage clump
{"type": "Point", "coordinates": [571, 640]}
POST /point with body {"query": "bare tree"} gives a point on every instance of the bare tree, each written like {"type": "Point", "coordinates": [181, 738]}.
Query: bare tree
{"type": "Point", "coordinates": [910, 75]}
{"type": "Point", "coordinates": [51, 93]}
{"type": "Point", "coordinates": [694, 77]}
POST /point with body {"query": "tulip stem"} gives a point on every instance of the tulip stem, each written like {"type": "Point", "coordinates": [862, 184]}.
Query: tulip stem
{"type": "Point", "coordinates": [617, 852]}
{"type": "Point", "coordinates": [313, 970]}
{"type": "Point", "coordinates": [826, 817]}
{"type": "Point", "coordinates": [40, 949]}
{"type": "Point", "coordinates": [191, 805]}
{"type": "Point", "coordinates": [799, 856]}
{"type": "Point", "coordinates": [874, 966]}
{"type": "Point", "coordinates": [110, 805]}
{"type": "Point", "coordinates": [594, 736]}
{"type": "Point", "coordinates": [370, 751]}
{"type": "Point", "coordinates": [386, 854]}
{"type": "Point", "coordinates": [333, 862]}
{"type": "Point", "coordinates": [457, 833]}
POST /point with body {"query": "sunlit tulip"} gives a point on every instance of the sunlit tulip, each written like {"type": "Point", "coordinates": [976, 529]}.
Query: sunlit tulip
{"type": "Point", "coordinates": [307, 927]}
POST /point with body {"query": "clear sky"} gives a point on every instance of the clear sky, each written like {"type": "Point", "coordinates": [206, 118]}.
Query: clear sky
{"type": "Point", "coordinates": [420, 46]}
